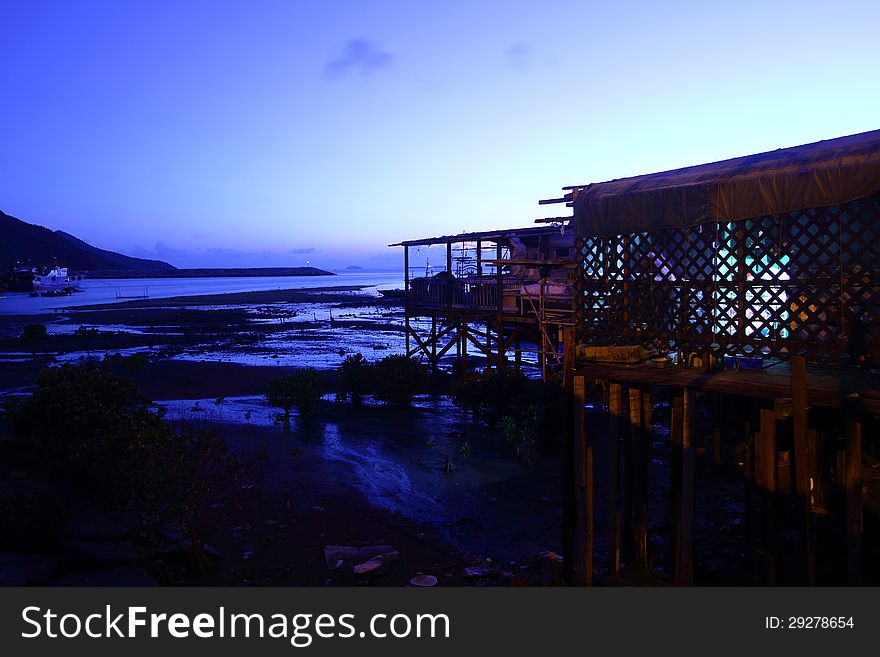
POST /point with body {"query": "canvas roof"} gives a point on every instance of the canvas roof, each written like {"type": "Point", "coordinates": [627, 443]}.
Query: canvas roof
{"type": "Point", "coordinates": [830, 172]}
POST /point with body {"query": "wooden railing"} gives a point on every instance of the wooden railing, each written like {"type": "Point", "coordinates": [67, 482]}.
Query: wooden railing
{"type": "Point", "coordinates": [477, 294]}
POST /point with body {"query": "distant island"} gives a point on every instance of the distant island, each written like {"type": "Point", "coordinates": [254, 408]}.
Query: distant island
{"type": "Point", "coordinates": [207, 272]}
{"type": "Point", "coordinates": [354, 268]}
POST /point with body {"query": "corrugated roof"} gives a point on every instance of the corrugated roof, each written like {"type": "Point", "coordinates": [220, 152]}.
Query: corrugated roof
{"type": "Point", "coordinates": [488, 235]}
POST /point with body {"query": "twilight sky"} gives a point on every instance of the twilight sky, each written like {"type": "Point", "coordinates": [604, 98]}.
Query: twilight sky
{"type": "Point", "coordinates": [261, 133]}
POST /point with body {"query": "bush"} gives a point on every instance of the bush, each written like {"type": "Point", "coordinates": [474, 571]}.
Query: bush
{"type": "Point", "coordinates": [137, 361]}
{"type": "Point", "coordinates": [95, 429]}
{"type": "Point", "coordinates": [355, 378]}
{"type": "Point", "coordinates": [397, 379]}
{"type": "Point", "coordinates": [33, 335]}
{"type": "Point", "coordinates": [530, 412]}
{"type": "Point", "coordinates": [302, 390]}
{"type": "Point", "coordinates": [77, 419]}
{"type": "Point", "coordinates": [183, 469]}
{"type": "Point", "coordinates": [492, 394]}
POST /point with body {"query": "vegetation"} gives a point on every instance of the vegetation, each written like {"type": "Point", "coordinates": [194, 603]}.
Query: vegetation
{"type": "Point", "coordinates": [33, 335]}
{"type": "Point", "coordinates": [301, 390]}
{"type": "Point", "coordinates": [397, 379]}
{"type": "Point", "coordinates": [94, 430]}
{"type": "Point", "coordinates": [355, 379]}
{"type": "Point", "coordinates": [77, 418]}
{"type": "Point", "coordinates": [529, 412]}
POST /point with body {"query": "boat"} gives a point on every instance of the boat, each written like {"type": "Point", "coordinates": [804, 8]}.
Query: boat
{"type": "Point", "coordinates": [393, 294]}
{"type": "Point", "coordinates": [54, 281]}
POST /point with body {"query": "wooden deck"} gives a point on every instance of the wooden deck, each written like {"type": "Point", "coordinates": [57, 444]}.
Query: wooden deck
{"type": "Point", "coordinates": [825, 386]}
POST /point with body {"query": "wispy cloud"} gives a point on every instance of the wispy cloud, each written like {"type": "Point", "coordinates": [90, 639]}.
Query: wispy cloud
{"type": "Point", "coordinates": [304, 251]}
{"type": "Point", "coordinates": [519, 55]}
{"type": "Point", "coordinates": [163, 251]}
{"type": "Point", "coordinates": [359, 57]}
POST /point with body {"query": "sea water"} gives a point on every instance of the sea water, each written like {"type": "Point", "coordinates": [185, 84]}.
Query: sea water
{"type": "Point", "coordinates": [102, 290]}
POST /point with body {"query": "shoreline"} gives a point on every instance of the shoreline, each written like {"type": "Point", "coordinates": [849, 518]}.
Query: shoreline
{"type": "Point", "coordinates": [209, 272]}
{"type": "Point", "coordinates": [289, 295]}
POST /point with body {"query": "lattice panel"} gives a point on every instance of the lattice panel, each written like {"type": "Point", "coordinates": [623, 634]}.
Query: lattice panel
{"type": "Point", "coordinates": [806, 281]}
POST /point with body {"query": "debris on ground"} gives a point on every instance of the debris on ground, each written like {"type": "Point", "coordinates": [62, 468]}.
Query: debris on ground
{"type": "Point", "coordinates": [343, 556]}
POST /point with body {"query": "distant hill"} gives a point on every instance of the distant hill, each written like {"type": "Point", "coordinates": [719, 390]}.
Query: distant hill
{"type": "Point", "coordinates": [27, 243]}
{"type": "Point", "coordinates": [354, 268]}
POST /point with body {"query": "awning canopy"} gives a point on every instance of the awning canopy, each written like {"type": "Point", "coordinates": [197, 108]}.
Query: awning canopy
{"type": "Point", "coordinates": [824, 173]}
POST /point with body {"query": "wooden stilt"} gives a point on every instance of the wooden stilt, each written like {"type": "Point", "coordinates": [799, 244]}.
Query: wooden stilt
{"type": "Point", "coordinates": [434, 343]}
{"type": "Point", "coordinates": [568, 359]}
{"type": "Point", "coordinates": [583, 566]}
{"type": "Point", "coordinates": [406, 295]}
{"type": "Point", "coordinates": [615, 414]}
{"type": "Point", "coordinates": [640, 478]}
{"type": "Point", "coordinates": [688, 481]}
{"type": "Point", "coordinates": [802, 461]}
{"type": "Point", "coordinates": [854, 498]}
{"type": "Point", "coordinates": [463, 364]}
{"type": "Point", "coordinates": [766, 478]}
{"type": "Point", "coordinates": [675, 436]}
{"type": "Point", "coordinates": [626, 484]}
{"type": "Point", "coordinates": [748, 470]}
{"type": "Point", "coordinates": [502, 346]}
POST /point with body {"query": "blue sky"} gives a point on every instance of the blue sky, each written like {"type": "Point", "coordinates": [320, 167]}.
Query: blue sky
{"type": "Point", "coordinates": [271, 133]}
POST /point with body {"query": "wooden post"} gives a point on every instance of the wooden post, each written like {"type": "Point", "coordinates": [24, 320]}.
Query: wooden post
{"type": "Point", "coordinates": [568, 360]}
{"type": "Point", "coordinates": [854, 498]}
{"type": "Point", "coordinates": [499, 282]}
{"type": "Point", "coordinates": [802, 461]}
{"type": "Point", "coordinates": [748, 469]}
{"type": "Point", "coordinates": [464, 347]}
{"type": "Point", "coordinates": [766, 478]}
{"type": "Point", "coordinates": [615, 415]}
{"type": "Point", "coordinates": [406, 296]}
{"type": "Point", "coordinates": [675, 437]}
{"type": "Point", "coordinates": [449, 286]}
{"type": "Point", "coordinates": [434, 343]}
{"type": "Point", "coordinates": [626, 484]}
{"type": "Point", "coordinates": [688, 481]}
{"type": "Point", "coordinates": [583, 463]}
{"type": "Point", "coordinates": [502, 350]}
{"type": "Point", "coordinates": [640, 478]}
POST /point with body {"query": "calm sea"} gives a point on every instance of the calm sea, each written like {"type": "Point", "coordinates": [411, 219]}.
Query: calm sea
{"type": "Point", "coordinates": [108, 290]}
